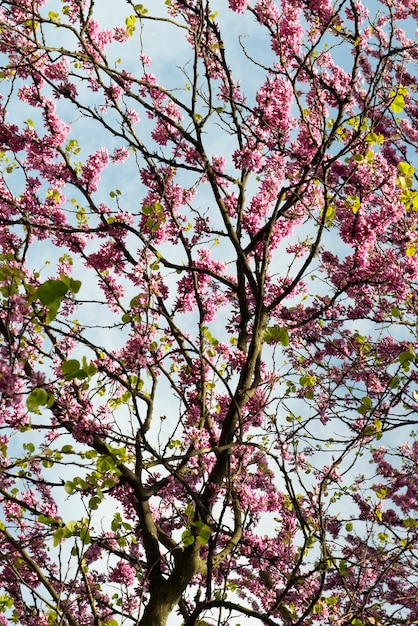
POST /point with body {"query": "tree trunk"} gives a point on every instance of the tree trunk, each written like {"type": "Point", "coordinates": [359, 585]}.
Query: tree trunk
{"type": "Point", "coordinates": [158, 609]}
{"type": "Point", "coordinates": [164, 597]}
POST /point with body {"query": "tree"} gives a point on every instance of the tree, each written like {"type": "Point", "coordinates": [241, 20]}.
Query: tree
{"type": "Point", "coordinates": [208, 393]}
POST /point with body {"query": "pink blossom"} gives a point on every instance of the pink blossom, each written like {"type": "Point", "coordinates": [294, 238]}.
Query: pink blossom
{"type": "Point", "coordinates": [132, 116]}
{"type": "Point", "coordinates": [267, 11]}
{"type": "Point", "coordinates": [119, 155]}
{"type": "Point", "coordinates": [146, 59]}
{"type": "Point", "coordinates": [238, 6]}
{"type": "Point", "coordinates": [322, 9]}
{"type": "Point", "coordinates": [92, 169]}
{"type": "Point", "coordinates": [123, 573]}
{"type": "Point", "coordinates": [248, 159]}
{"type": "Point", "coordinates": [219, 164]}
{"type": "Point", "coordinates": [120, 34]}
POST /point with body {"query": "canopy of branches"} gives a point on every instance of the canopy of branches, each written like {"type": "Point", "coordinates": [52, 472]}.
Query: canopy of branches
{"type": "Point", "coordinates": [208, 313]}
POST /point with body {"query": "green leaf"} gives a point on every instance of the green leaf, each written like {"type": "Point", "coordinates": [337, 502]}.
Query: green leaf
{"type": "Point", "coordinates": [45, 519]}
{"type": "Point", "coordinates": [116, 522]}
{"type": "Point", "coordinates": [53, 311]}
{"type": "Point", "coordinates": [50, 401]}
{"type": "Point", "coordinates": [91, 369]}
{"type": "Point", "coordinates": [73, 369]}
{"type": "Point", "coordinates": [58, 536]}
{"type": "Point", "coordinates": [382, 492]}
{"type": "Point", "coordinates": [69, 487]}
{"type": "Point", "coordinates": [404, 182]}
{"type": "Point", "coordinates": [105, 464]}
{"type": "Point", "coordinates": [51, 291]}
{"type": "Point", "coordinates": [373, 138]}
{"type": "Point", "coordinates": [54, 194]}
{"type": "Point", "coordinates": [70, 368]}
{"type": "Point", "coordinates": [204, 532]}
{"type": "Point", "coordinates": [94, 502]}
{"type": "Point", "coordinates": [406, 356]}
{"type": "Point", "coordinates": [37, 398]}
{"type": "Point", "coordinates": [54, 17]}
{"type": "Point", "coordinates": [410, 522]}
{"type": "Point", "coordinates": [330, 215]}
{"type": "Point", "coordinates": [147, 209]}
{"type": "Point", "coordinates": [367, 402]}
{"type": "Point", "coordinates": [406, 168]}
{"type": "Point", "coordinates": [141, 9]}
{"type": "Point", "coordinates": [307, 380]}
{"type": "Point", "coordinates": [398, 104]}
{"type": "Point", "coordinates": [130, 22]}
{"type": "Point", "coordinates": [354, 202]}
{"type": "Point", "coordinates": [6, 602]}
{"type": "Point", "coordinates": [70, 528]}
{"type": "Point", "coordinates": [394, 382]}
{"type": "Point", "coordinates": [187, 538]}
{"type": "Point", "coordinates": [85, 535]}
{"type": "Point", "coordinates": [73, 285]}
{"type": "Point", "coordinates": [276, 334]}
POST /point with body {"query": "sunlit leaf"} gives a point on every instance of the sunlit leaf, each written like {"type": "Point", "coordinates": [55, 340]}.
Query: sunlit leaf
{"type": "Point", "coordinates": [36, 399]}
{"type": "Point", "coordinates": [276, 334]}
{"type": "Point", "coordinates": [51, 291]}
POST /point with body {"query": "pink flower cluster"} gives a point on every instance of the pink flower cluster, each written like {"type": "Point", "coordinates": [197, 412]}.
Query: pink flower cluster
{"type": "Point", "coordinates": [238, 6]}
